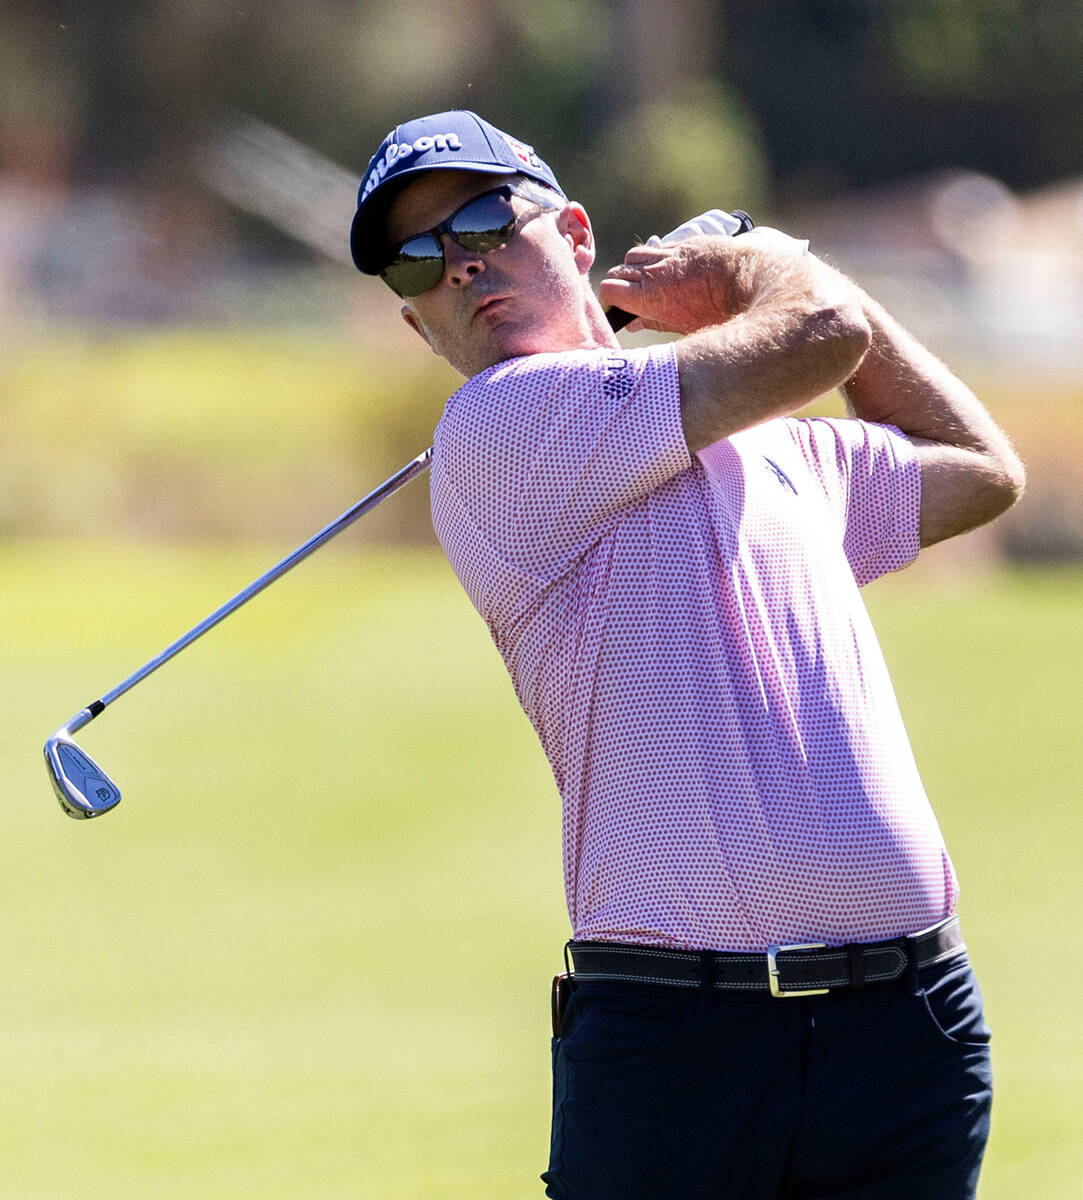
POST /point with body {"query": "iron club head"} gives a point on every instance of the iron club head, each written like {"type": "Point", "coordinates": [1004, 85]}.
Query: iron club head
{"type": "Point", "coordinates": [82, 787]}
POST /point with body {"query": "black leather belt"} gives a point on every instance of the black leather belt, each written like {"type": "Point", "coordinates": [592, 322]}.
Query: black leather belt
{"type": "Point", "coordinates": [802, 969]}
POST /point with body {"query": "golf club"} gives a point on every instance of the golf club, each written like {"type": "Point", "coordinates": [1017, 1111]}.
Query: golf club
{"type": "Point", "coordinates": [82, 787]}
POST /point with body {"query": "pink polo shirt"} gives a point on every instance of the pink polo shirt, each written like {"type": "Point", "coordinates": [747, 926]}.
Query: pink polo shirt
{"type": "Point", "coordinates": [687, 636]}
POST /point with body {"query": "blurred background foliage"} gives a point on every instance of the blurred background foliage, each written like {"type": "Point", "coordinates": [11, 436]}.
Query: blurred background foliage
{"type": "Point", "coordinates": [808, 94]}
{"type": "Point", "coordinates": [177, 179]}
{"type": "Point", "coordinates": [995, 83]}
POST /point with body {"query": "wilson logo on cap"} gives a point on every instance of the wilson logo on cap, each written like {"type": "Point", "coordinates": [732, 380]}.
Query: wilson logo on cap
{"type": "Point", "coordinates": [397, 150]}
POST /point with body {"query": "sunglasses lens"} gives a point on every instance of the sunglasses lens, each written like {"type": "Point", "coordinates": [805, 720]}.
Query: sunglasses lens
{"type": "Point", "coordinates": [417, 266]}
{"type": "Point", "coordinates": [479, 226]}
{"type": "Point", "coordinates": [484, 223]}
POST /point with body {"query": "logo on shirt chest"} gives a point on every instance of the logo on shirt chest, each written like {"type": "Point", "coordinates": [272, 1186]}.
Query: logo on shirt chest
{"type": "Point", "coordinates": [783, 479]}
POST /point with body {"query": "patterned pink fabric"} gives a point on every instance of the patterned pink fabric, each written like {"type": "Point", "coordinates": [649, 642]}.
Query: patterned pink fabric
{"type": "Point", "coordinates": [688, 639]}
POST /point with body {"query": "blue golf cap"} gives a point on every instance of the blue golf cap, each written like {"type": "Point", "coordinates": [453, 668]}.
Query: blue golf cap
{"type": "Point", "coordinates": [449, 141]}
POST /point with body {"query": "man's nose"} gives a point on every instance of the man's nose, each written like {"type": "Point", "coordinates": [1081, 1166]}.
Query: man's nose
{"type": "Point", "coordinates": [460, 265]}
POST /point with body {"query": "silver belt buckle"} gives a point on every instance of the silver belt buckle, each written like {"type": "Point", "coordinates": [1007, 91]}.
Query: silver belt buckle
{"type": "Point", "coordinates": [772, 970]}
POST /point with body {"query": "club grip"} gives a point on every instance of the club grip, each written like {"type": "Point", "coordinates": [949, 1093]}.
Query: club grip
{"type": "Point", "coordinates": [618, 318]}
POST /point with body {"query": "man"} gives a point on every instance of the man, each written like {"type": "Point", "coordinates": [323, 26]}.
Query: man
{"type": "Point", "coordinates": [770, 996]}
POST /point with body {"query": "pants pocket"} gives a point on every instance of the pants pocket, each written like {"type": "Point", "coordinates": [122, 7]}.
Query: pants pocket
{"type": "Point", "coordinates": [953, 1004]}
{"type": "Point", "coordinates": [620, 1025]}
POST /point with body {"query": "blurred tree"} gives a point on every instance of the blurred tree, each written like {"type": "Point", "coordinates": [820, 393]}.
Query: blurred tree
{"type": "Point", "coordinates": [678, 140]}
{"type": "Point", "coordinates": [861, 91]}
{"type": "Point", "coordinates": [648, 107]}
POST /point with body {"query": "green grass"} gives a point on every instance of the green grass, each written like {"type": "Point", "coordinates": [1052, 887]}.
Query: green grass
{"type": "Point", "coordinates": [271, 971]}
{"type": "Point", "coordinates": [988, 671]}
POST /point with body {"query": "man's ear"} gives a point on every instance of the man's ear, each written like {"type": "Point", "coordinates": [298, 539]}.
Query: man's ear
{"type": "Point", "coordinates": [410, 317]}
{"type": "Point", "coordinates": [575, 228]}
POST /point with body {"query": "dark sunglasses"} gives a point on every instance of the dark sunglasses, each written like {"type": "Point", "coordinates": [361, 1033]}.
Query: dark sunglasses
{"type": "Point", "coordinates": [480, 225]}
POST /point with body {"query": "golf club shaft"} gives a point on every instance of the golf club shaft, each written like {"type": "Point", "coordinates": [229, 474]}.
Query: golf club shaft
{"type": "Point", "coordinates": [396, 481]}
{"type": "Point", "coordinates": [617, 319]}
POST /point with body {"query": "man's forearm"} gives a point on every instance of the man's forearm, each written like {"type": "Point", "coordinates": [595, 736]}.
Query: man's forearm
{"type": "Point", "coordinates": [767, 362]}
{"type": "Point", "coordinates": [900, 382]}
{"type": "Point", "coordinates": [970, 473]}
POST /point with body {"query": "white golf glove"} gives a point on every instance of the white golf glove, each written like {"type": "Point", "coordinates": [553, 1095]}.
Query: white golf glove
{"type": "Point", "coordinates": [718, 222]}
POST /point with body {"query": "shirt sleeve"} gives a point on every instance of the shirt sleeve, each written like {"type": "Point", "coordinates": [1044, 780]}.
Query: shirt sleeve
{"type": "Point", "coordinates": [871, 478]}
{"type": "Point", "coordinates": [537, 456]}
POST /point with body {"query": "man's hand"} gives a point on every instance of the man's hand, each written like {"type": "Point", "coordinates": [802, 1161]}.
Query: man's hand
{"type": "Point", "coordinates": [682, 286]}
{"type": "Point", "coordinates": [766, 330]}
{"type": "Point", "coordinates": [767, 326]}
{"type": "Point", "coordinates": [677, 287]}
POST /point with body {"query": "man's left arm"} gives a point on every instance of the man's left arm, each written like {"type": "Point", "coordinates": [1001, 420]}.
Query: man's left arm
{"type": "Point", "coordinates": [969, 471]}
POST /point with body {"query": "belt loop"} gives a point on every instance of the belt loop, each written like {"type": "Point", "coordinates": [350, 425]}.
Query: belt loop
{"type": "Point", "coordinates": [568, 965]}
{"type": "Point", "coordinates": [857, 966]}
{"type": "Point", "coordinates": [706, 980]}
{"type": "Point", "coordinates": [911, 946]}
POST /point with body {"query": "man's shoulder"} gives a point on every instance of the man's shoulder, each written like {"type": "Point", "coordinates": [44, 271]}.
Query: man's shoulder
{"type": "Point", "coordinates": [532, 384]}
{"type": "Point", "coordinates": [557, 365]}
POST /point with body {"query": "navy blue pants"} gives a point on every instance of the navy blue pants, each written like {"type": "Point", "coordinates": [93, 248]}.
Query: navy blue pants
{"type": "Point", "coordinates": [877, 1094]}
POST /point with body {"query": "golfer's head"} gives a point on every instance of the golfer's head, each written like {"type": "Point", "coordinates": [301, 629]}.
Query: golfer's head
{"type": "Point", "coordinates": [471, 229]}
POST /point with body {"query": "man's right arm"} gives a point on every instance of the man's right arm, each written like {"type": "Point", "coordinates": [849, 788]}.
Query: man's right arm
{"type": "Point", "coordinates": [766, 331]}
